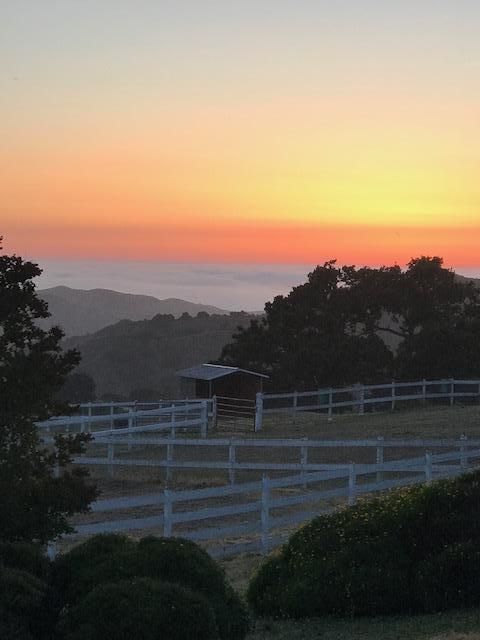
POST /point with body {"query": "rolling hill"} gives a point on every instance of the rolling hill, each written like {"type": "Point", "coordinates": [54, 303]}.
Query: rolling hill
{"type": "Point", "coordinates": [80, 311]}
{"type": "Point", "coordinates": [139, 359]}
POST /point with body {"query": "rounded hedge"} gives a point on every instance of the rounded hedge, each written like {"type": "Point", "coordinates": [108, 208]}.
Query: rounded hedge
{"type": "Point", "coordinates": [98, 560]}
{"type": "Point", "coordinates": [389, 554]}
{"type": "Point", "coordinates": [22, 596]}
{"type": "Point", "coordinates": [140, 608]}
{"type": "Point", "coordinates": [24, 556]}
{"type": "Point", "coordinates": [110, 558]}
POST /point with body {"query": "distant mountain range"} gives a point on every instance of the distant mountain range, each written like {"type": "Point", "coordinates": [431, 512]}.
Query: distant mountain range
{"type": "Point", "coordinates": [81, 312]}
{"type": "Point", "coordinates": [138, 360]}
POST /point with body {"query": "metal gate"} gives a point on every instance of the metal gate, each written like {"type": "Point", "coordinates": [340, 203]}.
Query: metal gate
{"type": "Point", "coordinates": [234, 414]}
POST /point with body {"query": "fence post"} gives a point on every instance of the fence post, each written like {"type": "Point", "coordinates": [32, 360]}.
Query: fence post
{"type": "Point", "coordinates": [231, 462]}
{"type": "Point", "coordinates": [379, 457]}
{"type": "Point", "coordinates": [265, 516]}
{"type": "Point", "coordinates": [204, 419]}
{"type": "Point", "coordinates": [330, 404]}
{"type": "Point", "coordinates": [112, 421]}
{"type": "Point", "coordinates": [463, 452]}
{"type": "Point", "coordinates": [452, 391]}
{"type": "Point", "coordinates": [428, 467]}
{"type": "Point", "coordinates": [424, 391]}
{"type": "Point", "coordinates": [173, 429]}
{"type": "Point", "coordinates": [214, 412]}
{"type": "Point", "coordinates": [259, 412]}
{"type": "Point", "coordinates": [167, 513]}
{"type": "Point", "coordinates": [295, 404]}
{"type": "Point", "coordinates": [303, 462]}
{"type": "Point", "coordinates": [169, 460]}
{"type": "Point", "coordinates": [130, 426]}
{"type": "Point", "coordinates": [352, 484]}
{"type": "Point", "coordinates": [52, 551]}
{"type": "Point", "coordinates": [130, 418]}
{"type": "Point", "coordinates": [393, 395]}
{"type": "Point", "coordinates": [110, 456]}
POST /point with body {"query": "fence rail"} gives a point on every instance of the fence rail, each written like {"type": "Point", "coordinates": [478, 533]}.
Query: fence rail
{"type": "Point", "coordinates": [359, 397]}
{"type": "Point", "coordinates": [119, 452]}
{"type": "Point", "coordinates": [126, 420]}
{"type": "Point", "coordinates": [263, 500]}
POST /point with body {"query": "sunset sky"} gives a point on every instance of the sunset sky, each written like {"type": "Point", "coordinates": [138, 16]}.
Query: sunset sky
{"type": "Point", "coordinates": [243, 131]}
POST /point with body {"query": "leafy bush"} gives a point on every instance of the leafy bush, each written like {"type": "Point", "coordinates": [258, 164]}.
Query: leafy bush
{"type": "Point", "coordinates": [181, 561]}
{"type": "Point", "coordinates": [98, 560]}
{"type": "Point", "coordinates": [388, 554]}
{"type": "Point", "coordinates": [21, 605]}
{"type": "Point", "coordinates": [24, 556]}
{"type": "Point", "coordinates": [110, 558]}
{"type": "Point", "coordinates": [450, 578]}
{"type": "Point", "coordinates": [140, 608]}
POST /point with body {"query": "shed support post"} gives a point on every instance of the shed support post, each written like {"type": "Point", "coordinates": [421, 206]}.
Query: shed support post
{"type": "Point", "coordinates": [204, 419]}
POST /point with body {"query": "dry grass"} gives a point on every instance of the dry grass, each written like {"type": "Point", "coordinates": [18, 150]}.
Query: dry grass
{"type": "Point", "coordinates": [431, 421]}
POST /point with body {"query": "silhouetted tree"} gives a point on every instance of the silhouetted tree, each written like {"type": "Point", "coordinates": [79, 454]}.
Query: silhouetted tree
{"type": "Point", "coordinates": [34, 504]}
{"type": "Point", "coordinates": [310, 337]}
{"type": "Point", "coordinates": [77, 388]}
{"type": "Point", "coordinates": [335, 328]}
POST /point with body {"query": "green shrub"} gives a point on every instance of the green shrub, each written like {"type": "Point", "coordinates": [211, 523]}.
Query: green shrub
{"type": "Point", "coordinates": [385, 555]}
{"type": "Point", "coordinates": [183, 562]}
{"type": "Point", "coordinates": [108, 559]}
{"type": "Point", "coordinates": [140, 608]}
{"type": "Point", "coordinates": [24, 556]}
{"type": "Point", "coordinates": [22, 597]}
{"type": "Point", "coordinates": [450, 579]}
{"type": "Point", "coordinates": [100, 559]}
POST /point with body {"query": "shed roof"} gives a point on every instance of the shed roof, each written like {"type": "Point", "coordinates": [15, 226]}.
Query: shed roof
{"type": "Point", "coordinates": [213, 371]}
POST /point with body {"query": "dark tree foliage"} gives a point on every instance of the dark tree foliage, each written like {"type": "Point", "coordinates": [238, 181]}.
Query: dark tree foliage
{"type": "Point", "coordinates": [78, 387]}
{"type": "Point", "coordinates": [346, 325]}
{"type": "Point", "coordinates": [34, 504]}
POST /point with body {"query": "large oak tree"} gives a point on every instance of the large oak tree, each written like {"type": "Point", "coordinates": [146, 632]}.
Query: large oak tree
{"type": "Point", "coordinates": [346, 325]}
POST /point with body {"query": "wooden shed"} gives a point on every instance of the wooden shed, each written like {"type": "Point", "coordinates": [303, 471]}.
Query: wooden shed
{"type": "Point", "coordinates": [208, 380]}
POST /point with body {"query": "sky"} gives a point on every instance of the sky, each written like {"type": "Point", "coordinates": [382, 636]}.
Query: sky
{"type": "Point", "coordinates": [273, 132]}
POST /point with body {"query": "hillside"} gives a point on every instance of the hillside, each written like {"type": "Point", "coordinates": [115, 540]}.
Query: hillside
{"type": "Point", "coordinates": [130, 358]}
{"type": "Point", "coordinates": [80, 312]}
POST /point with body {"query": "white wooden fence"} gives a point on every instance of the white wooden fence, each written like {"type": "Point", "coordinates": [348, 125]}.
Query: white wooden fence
{"type": "Point", "coordinates": [124, 418]}
{"type": "Point", "coordinates": [265, 510]}
{"type": "Point", "coordinates": [119, 452]}
{"type": "Point", "coordinates": [360, 397]}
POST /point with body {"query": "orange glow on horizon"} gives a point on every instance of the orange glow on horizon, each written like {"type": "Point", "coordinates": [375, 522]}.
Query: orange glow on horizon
{"type": "Point", "coordinates": [249, 243]}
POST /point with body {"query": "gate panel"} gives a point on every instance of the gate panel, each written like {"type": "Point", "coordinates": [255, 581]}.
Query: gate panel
{"type": "Point", "coordinates": [235, 414]}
